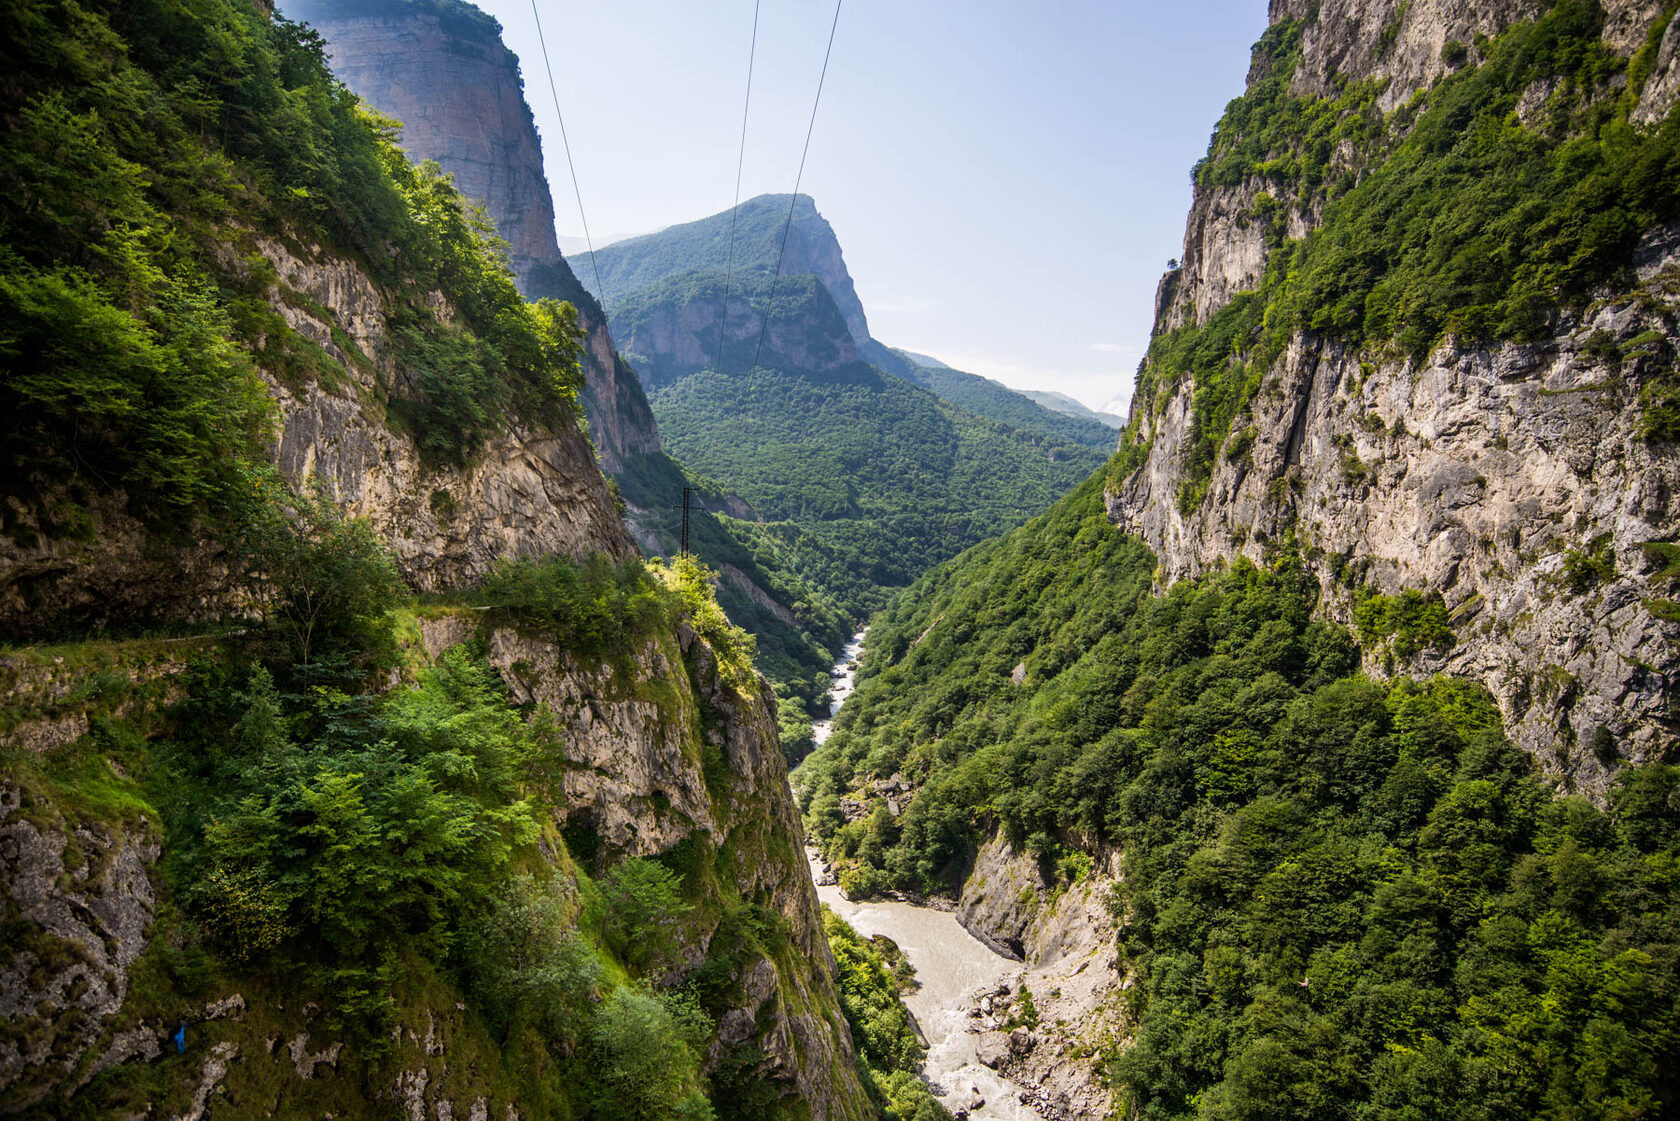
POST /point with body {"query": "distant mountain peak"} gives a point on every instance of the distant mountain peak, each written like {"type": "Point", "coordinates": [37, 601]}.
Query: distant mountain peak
{"type": "Point", "coordinates": [704, 245]}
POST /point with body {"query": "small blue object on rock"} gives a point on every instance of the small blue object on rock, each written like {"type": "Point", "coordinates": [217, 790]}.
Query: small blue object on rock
{"type": "Point", "coordinates": [180, 1038]}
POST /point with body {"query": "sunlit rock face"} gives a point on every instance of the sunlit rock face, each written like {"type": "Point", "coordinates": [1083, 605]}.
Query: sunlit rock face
{"type": "Point", "coordinates": [458, 93]}
{"type": "Point", "coordinates": [1476, 473]}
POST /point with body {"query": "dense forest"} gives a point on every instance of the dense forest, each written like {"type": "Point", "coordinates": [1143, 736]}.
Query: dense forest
{"type": "Point", "coordinates": [986, 398]}
{"type": "Point", "coordinates": [864, 461]}
{"type": "Point", "coordinates": [855, 477]}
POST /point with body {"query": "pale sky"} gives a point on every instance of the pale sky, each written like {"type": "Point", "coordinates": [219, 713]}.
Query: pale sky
{"type": "Point", "coordinates": [1007, 180]}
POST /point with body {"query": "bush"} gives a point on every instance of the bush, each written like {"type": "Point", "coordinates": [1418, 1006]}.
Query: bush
{"type": "Point", "coordinates": [321, 582]}
{"type": "Point", "coordinates": [1413, 620]}
{"type": "Point", "coordinates": [644, 1068]}
{"type": "Point", "coordinates": [695, 585]}
{"type": "Point", "coordinates": [384, 833]}
{"type": "Point", "coordinates": [597, 607]}
{"type": "Point", "coordinates": [527, 964]}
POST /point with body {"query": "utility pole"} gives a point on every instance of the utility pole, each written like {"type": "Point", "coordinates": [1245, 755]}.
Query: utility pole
{"type": "Point", "coordinates": [685, 522]}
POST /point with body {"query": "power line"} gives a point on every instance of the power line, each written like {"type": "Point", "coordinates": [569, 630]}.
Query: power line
{"type": "Point", "coordinates": [788, 225]}
{"type": "Point", "coordinates": [600, 291]}
{"type": "Point", "coordinates": [735, 209]}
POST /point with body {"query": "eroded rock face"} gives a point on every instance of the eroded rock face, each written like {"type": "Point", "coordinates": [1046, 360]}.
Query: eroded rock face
{"type": "Point", "coordinates": [458, 93]}
{"type": "Point", "coordinates": [1476, 473]}
{"type": "Point", "coordinates": [637, 731]}
{"type": "Point", "coordinates": [1064, 934]}
{"type": "Point", "coordinates": [525, 494]}
{"type": "Point", "coordinates": [78, 901]}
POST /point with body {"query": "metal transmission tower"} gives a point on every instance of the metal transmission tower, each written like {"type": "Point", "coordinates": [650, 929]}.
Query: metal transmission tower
{"type": "Point", "coordinates": [685, 522]}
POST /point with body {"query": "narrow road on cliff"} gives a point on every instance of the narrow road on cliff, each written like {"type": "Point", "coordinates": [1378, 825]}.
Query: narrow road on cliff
{"type": "Point", "coordinates": [954, 968]}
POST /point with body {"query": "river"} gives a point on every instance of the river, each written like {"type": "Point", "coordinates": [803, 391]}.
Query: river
{"type": "Point", "coordinates": [953, 967]}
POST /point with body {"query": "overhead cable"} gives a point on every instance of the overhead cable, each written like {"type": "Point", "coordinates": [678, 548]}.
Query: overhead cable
{"type": "Point", "coordinates": [787, 225]}
{"type": "Point", "coordinates": [735, 208]}
{"type": "Point", "coordinates": [600, 291]}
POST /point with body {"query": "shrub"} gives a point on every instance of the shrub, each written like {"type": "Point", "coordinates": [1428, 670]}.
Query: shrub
{"type": "Point", "coordinates": [1586, 569]}
{"type": "Point", "coordinates": [395, 823]}
{"type": "Point", "coordinates": [644, 910]}
{"type": "Point", "coordinates": [526, 963]}
{"type": "Point", "coordinates": [695, 586]}
{"type": "Point", "coordinates": [642, 1065]}
{"type": "Point", "coordinates": [1412, 620]}
{"type": "Point", "coordinates": [597, 606]}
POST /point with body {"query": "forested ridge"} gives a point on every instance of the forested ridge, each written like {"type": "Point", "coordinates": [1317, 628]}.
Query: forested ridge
{"type": "Point", "coordinates": [1464, 214]}
{"type": "Point", "coordinates": [146, 151]}
{"type": "Point", "coordinates": [861, 478]}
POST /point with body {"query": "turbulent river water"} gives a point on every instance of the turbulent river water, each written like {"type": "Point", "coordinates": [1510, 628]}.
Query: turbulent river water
{"type": "Point", "coordinates": [953, 967]}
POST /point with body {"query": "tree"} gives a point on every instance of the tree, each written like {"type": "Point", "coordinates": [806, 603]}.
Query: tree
{"type": "Point", "coordinates": [315, 577]}
{"type": "Point", "coordinates": [644, 1067]}
{"type": "Point", "coordinates": [643, 910]}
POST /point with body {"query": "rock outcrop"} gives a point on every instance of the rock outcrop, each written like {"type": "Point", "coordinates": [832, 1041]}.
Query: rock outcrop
{"type": "Point", "coordinates": [443, 71]}
{"type": "Point", "coordinates": [637, 733]}
{"type": "Point", "coordinates": [1478, 473]}
{"type": "Point", "coordinates": [1045, 1028]}
{"type": "Point", "coordinates": [78, 900]}
{"type": "Point", "coordinates": [526, 493]}
{"type": "Point", "coordinates": [749, 243]}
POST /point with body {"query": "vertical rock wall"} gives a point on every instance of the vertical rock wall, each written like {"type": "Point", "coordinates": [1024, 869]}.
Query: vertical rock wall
{"type": "Point", "coordinates": [458, 92]}
{"type": "Point", "coordinates": [1474, 474]}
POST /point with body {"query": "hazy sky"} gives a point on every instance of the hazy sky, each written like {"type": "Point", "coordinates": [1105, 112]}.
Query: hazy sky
{"type": "Point", "coordinates": [1007, 180]}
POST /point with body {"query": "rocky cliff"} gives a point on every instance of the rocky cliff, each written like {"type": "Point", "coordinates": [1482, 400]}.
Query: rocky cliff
{"type": "Point", "coordinates": [443, 71]}
{"type": "Point", "coordinates": [529, 493]}
{"type": "Point", "coordinates": [704, 246]}
{"type": "Point", "coordinates": [1513, 464]}
{"type": "Point", "coordinates": [1063, 1007]}
{"type": "Point", "coordinates": [386, 364]}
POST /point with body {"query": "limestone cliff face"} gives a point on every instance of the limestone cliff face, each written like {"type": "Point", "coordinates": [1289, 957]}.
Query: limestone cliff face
{"type": "Point", "coordinates": [665, 293]}
{"type": "Point", "coordinates": [82, 917]}
{"type": "Point", "coordinates": [526, 493]}
{"type": "Point", "coordinates": [672, 334]}
{"type": "Point", "coordinates": [1475, 473]}
{"type": "Point", "coordinates": [637, 776]}
{"type": "Point", "coordinates": [814, 249]}
{"type": "Point", "coordinates": [458, 92]}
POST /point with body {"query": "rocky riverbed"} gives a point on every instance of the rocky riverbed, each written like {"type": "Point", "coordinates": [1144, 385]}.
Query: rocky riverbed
{"type": "Point", "coordinates": [965, 987]}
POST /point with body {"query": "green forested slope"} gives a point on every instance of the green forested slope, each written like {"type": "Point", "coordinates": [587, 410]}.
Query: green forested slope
{"type": "Point", "coordinates": [300, 814]}
{"type": "Point", "coordinates": [880, 469]}
{"type": "Point", "coordinates": [704, 246]}
{"type": "Point", "coordinates": [862, 479]}
{"type": "Point", "coordinates": [995, 401]}
{"type": "Point", "coordinates": [133, 303]}
{"type": "Point", "coordinates": [1342, 898]}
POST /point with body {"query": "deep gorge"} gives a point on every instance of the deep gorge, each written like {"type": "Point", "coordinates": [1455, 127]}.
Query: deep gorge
{"type": "Point", "coordinates": [370, 747]}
